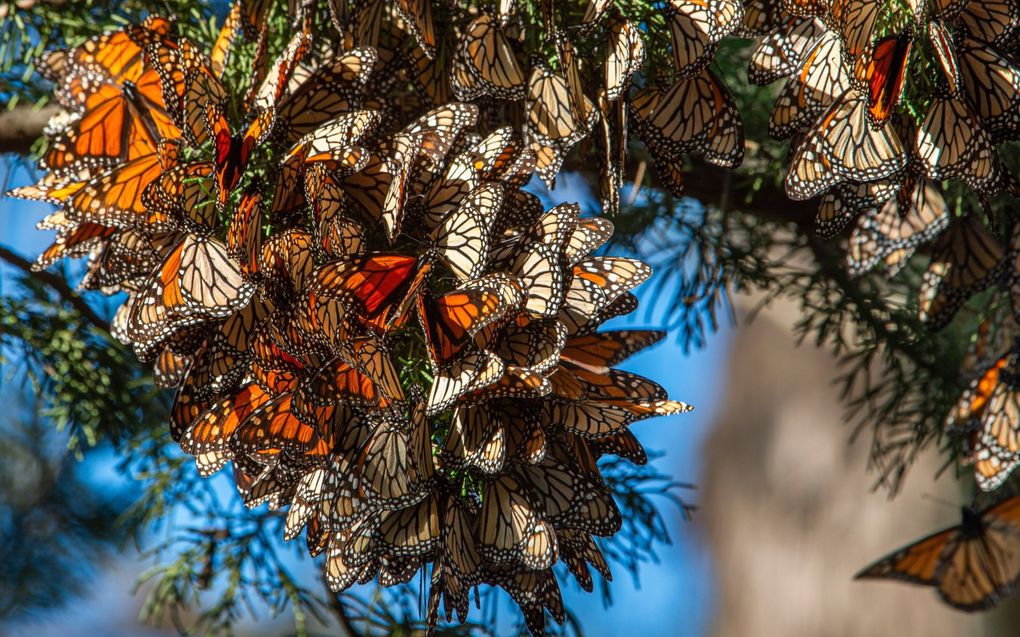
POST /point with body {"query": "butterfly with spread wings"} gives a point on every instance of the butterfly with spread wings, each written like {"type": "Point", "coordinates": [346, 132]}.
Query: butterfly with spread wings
{"type": "Point", "coordinates": [972, 565]}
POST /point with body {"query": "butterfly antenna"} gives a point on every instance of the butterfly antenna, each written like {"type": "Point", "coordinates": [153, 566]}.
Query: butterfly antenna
{"type": "Point", "coordinates": [933, 498]}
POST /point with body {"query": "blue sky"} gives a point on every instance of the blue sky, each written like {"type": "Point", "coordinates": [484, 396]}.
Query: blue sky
{"type": "Point", "coordinates": [674, 596]}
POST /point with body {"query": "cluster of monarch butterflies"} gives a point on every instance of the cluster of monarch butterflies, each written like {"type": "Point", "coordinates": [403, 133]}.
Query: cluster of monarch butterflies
{"type": "Point", "coordinates": [364, 314]}
{"type": "Point", "coordinates": [359, 309]}
{"type": "Point", "coordinates": [847, 65]}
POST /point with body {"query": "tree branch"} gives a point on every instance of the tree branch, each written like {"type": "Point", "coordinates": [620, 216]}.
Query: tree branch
{"type": "Point", "coordinates": [22, 125]}
{"type": "Point", "coordinates": [58, 285]}
{"type": "Point", "coordinates": [713, 185]}
{"type": "Point", "coordinates": [726, 188]}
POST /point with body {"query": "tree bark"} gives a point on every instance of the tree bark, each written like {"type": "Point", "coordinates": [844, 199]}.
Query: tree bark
{"type": "Point", "coordinates": [22, 125]}
{"type": "Point", "coordinates": [58, 285]}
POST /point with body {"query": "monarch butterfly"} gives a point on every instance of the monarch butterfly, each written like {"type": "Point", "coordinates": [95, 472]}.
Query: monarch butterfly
{"type": "Point", "coordinates": [884, 69]}
{"type": "Point", "coordinates": [462, 239]}
{"type": "Point", "coordinates": [254, 13]}
{"type": "Point", "coordinates": [623, 444]}
{"type": "Point", "coordinates": [533, 345]}
{"type": "Point", "coordinates": [115, 198]}
{"type": "Point", "coordinates": [208, 437]}
{"type": "Point", "coordinates": [374, 282]}
{"type": "Point", "coordinates": [225, 38]}
{"type": "Point", "coordinates": [509, 381]}
{"type": "Point", "coordinates": [450, 321]}
{"type": "Point", "coordinates": [278, 79]}
{"type": "Point", "coordinates": [559, 115]}
{"type": "Point", "coordinates": [188, 85]}
{"type": "Point", "coordinates": [968, 412]}
{"type": "Point", "coordinates": [782, 52]}
{"type": "Point", "coordinates": [555, 483]}
{"type": "Point", "coordinates": [341, 382]}
{"type": "Point", "coordinates": [458, 562]}
{"type": "Point", "coordinates": [181, 198]}
{"type": "Point", "coordinates": [244, 232]}
{"type": "Point", "coordinates": [603, 350]}
{"type": "Point", "coordinates": [552, 113]}
{"type": "Point", "coordinates": [477, 439]}
{"type": "Point", "coordinates": [307, 495]}
{"type": "Point", "coordinates": [952, 145]}
{"type": "Point", "coordinates": [274, 428]}
{"type": "Point", "coordinates": [274, 483]}
{"type": "Point", "coordinates": [196, 281]}
{"type": "Point", "coordinates": [723, 142]}
{"type": "Point", "coordinates": [433, 82]}
{"type": "Point", "coordinates": [994, 22]}
{"type": "Point", "coordinates": [471, 372]}
{"type": "Point", "coordinates": [121, 263]}
{"type": "Point", "coordinates": [119, 123]}
{"type": "Point", "coordinates": [942, 43]}
{"type": "Point", "coordinates": [51, 189]}
{"type": "Point", "coordinates": [169, 369]}
{"type": "Point", "coordinates": [486, 55]}
{"type": "Point", "coordinates": [417, 16]}
{"type": "Point", "coordinates": [73, 241]}
{"type": "Point", "coordinates": [500, 157]}
{"type": "Point", "coordinates": [396, 464]}
{"type": "Point", "coordinates": [339, 574]}
{"type": "Point", "coordinates": [965, 260]}
{"type": "Point", "coordinates": [887, 235]}
{"type": "Point", "coordinates": [972, 565]}
{"type": "Point", "coordinates": [991, 401]}
{"type": "Point", "coordinates": [842, 147]}
{"type": "Point", "coordinates": [819, 81]}
{"type": "Point", "coordinates": [595, 284]}
{"type": "Point", "coordinates": [589, 235]}
{"type": "Point", "coordinates": [534, 591]}
{"type": "Point", "coordinates": [615, 384]}
{"type": "Point", "coordinates": [992, 84]}
{"type": "Point", "coordinates": [578, 550]}
{"type": "Point", "coordinates": [332, 90]}
{"type": "Point", "coordinates": [232, 153]}
{"type": "Point", "coordinates": [222, 356]}
{"type": "Point", "coordinates": [288, 258]}
{"type": "Point", "coordinates": [856, 21]}
{"type": "Point", "coordinates": [334, 144]}
{"type": "Point", "coordinates": [114, 57]}
{"type": "Point", "coordinates": [625, 55]}
{"type": "Point", "coordinates": [410, 532]}
{"type": "Point", "coordinates": [843, 203]}
{"type": "Point", "coordinates": [507, 520]}
{"type": "Point", "coordinates": [696, 27]}
{"type": "Point", "coordinates": [668, 120]}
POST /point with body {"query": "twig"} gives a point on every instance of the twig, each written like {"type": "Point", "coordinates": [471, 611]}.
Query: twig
{"type": "Point", "coordinates": [58, 285]}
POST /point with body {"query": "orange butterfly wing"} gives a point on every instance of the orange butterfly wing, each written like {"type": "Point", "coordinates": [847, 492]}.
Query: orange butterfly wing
{"type": "Point", "coordinates": [885, 73]}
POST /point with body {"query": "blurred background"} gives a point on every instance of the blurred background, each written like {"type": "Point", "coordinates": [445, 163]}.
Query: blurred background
{"type": "Point", "coordinates": [785, 511]}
